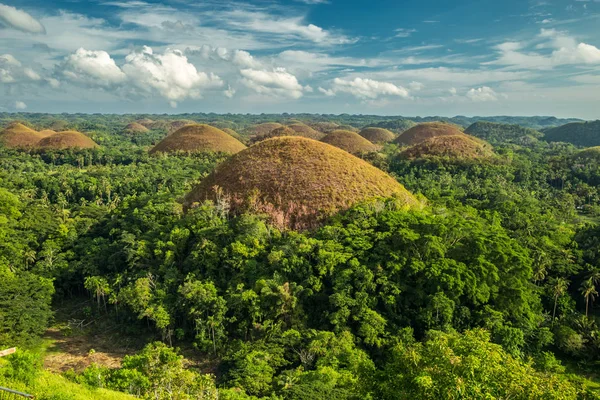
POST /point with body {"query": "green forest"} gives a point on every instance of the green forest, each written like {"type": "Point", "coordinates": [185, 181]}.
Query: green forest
{"type": "Point", "coordinates": [112, 287]}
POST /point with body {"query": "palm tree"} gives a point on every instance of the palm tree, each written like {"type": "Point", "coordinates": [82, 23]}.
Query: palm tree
{"type": "Point", "coordinates": [594, 276]}
{"type": "Point", "coordinates": [588, 290]}
{"type": "Point", "coordinates": [559, 288]}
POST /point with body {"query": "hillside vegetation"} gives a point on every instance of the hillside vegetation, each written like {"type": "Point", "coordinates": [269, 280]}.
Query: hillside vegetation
{"type": "Point", "coordinates": [585, 134]}
{"type": "Point", "coordinates": [350, 141]}
{"type": "Point", "coordinates": [494, 132]}
{"type": "Point", "coordinates": [377, 135]}
{"type": "Point", "coordinates": [425, 131]}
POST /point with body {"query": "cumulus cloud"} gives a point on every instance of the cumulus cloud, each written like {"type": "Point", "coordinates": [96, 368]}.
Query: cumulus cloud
{"type": "Point", "coordinates": [12, 71]}
{"type": "Point", "coordinates": [416, 86]}
{"type": "Point", "coordinates": [482, 94]}
{"type": "Point", "coordinates": [170, 74]}
{"type": "Point", "coordinates": [239, 58]}
{"type": "Point", "coordinates": [19, 105]}
{"type": "Point", "coordinates": [566, 50]}
{"type": "Point", "coordinates": [93, 68]}
{"type": "Point", "coordinates": [366, 88]}
{"type": "Point", "coordinates": [20, 20]}
{"type": "Point", "coordinates": [277, 83]}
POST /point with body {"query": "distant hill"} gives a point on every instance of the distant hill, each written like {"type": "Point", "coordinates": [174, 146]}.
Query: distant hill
{"type": "Point", "coordinates": [495, 133]}
{"type": "Point", "coordinates": [350, 141]}
{"type": "Point", "coordinates": [586, 134]}
{"type": "Point", "coordinates": [427, 130]}
{"type": "Point", "coordinates": [455, 146]}
{"type": "Point", "coordinates": [198, 138]}
{"type": "Point", "coordinates": [377, 135]}
{"type": "Point", "coordinates": [397, 125]}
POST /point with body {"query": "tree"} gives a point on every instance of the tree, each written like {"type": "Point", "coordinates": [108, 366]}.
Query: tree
{"type": "Point", "coordinates": [588, 290]}
{"type": "Point", "coordinates": [559, 287]}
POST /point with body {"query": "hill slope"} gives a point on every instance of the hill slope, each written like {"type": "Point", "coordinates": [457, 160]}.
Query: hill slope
{"type": "Point", "coordinates": [457, 146]}
{"type": "Point", "coordinates": [586, 134]}
{"type": "Point", "coordinates": [425, 131]}
{"type": "Point", "coordinates": [17, 135]}
{"type": "Point", "coordinates": [198, 138]}
{"type": "Point", "coordinates": [349, 141]}
{"type": "Point", "coordinates": [296, 181]}
{"type": "Point", "coordinates": [495, 133]}
{"type": "Point", "coordinates": [377, 135]}
{"type": "Point", "coordinates": [66, 140]}
{"type": "Point", "coordinates": [306, 131]}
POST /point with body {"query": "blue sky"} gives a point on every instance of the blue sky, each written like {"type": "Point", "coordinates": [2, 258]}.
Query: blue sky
{"type": "Point", "coordinates": [427, 57]}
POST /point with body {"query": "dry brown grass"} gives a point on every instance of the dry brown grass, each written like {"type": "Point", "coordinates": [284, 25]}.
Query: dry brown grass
{"type": "Point", "coordinates": [425, 131]}
{"type": "Point", "coordinates": [306, 131]}
{"type": "Point", "coordinates": [17, 135]}
{"type": "Point", "coordinates": [324, 126]}
{"type": "Point", "coordinates": [263, 129]}
{"type": "Point", "coordinates": [233, 133]}
{"type": "Point", "coordinates": [456, 146]}
{"type": "Point", "coordinates": [296, 181]}
{"type": "Point", "coordinates": [147, 122]}
{"type": "Point", "coordinates": [135, 127]}
{"type": "Point", "coordinates": [198, 138]}
{"type": "Point", "coordinates": [349, 141]}
{"type": "Point", "coordinates": [377, 135]}
{"type": "Point", "coordinates": [277, 132]}
{"type": "Point", "coordinates": [66, 140]}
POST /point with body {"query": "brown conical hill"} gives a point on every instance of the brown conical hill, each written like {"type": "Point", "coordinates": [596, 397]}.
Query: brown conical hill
{"type": "Point", "coordinates": [427, 130]}
{"type": "Point", "coordinates": [377, 135]}
{"type": "Point", "coordinates": [455, 146]}
{"type": "Point", "coordinates": [233, 133]}
{"type": "Point", "coordinates": [17, 135]}
{"type": "Point", "coordinates": [135, 127]}
{"type": "Point", "coordinates": [264, 128]}
{"type": "Point", "coordinates": [352, 142]}
{"type": "Point", "coordinates": [296, 181]}
{"type": "Point", "coordinates": [47, 132]}
{"type": "Point", "coordinates": [178, 124]}
{"type": "Point", "coordinates": [66, 140]}
{"type": "Point", "coordinates": [147, 122]}
{"type": "Point", "coordinates": [277, 132]}
{"type": "Point", "coordinates": [347, 128]}
{"type": "Point", "coordinates": [306, 131]}
{"type": "Point", "coordinates": [324, 126]}
{"type": "Point", "coordinates": [198, 138]}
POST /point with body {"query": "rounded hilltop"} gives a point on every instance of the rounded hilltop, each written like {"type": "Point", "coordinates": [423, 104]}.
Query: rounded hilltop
{"type": "Point", "coordinates": [232, 133]}
{"type": "Point", "coordinates": [377, 135]}
{"type": "Point", "coordinates": [306, 131]}
{"type": "Point", "coordinates": [198, 138]}
{"type": "Point", "coordinates": [427, 130]}
{"type": "Point", "coordinates": [277, 132]}
{"type": "Point", "coordinates": [455, 146]}
{"type": "Point", "coordinates": [66, 140]}
{"type": "Point", "coordinates": [590, 154]}
{"type": "Point", "coordinates": [296, 181]}
{"type": "Point", "coordinates": [17, 135]}
{"type": "Point", "coordinates": [349, 141]}
{"type": "Point", "coordinates": [263, 129]}
{"type": "Point", "coordinates": [135, 127]}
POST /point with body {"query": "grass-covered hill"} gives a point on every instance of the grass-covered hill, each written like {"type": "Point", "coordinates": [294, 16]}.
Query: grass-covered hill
{"type": "Point", "coordinates": [306, 131]}
{"type": "Point", "coordinates": [297, 182]}
{"type": "Point", "coordinates": [352, 142]}
{"type": "Point", "coordinates": [425, 131]}
{"type": "Point", "coordinates": [135, 128]}
{"type": "Point", "coordinates": [591, 153]}
{"type": "Point", "coordinates": [397, 125]}
{"type": "Point", "coordinates": [17, 135]}
{"type": "Point", "coordinates": [455, 147]}
{"type": "Point", "coordinates": [198, 138]}
{"type": "Point", "coordinates": [66, 140]}
{"type": "Point", "coordinates": [495, 132]}
{"type": "Point", "coordinates": [377, 135]}
{"type": "Point", "coordinates": [586, 134]}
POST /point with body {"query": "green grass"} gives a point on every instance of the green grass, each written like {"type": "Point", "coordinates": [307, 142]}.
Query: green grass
{"type": "Point", "coordinates": [48, 386]}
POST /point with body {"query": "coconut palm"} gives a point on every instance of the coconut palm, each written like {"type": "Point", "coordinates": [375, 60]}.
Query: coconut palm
{"type": "Point", "coordinates": [588, 290]}
{"type": "Point", "coordinates": [559, 287]}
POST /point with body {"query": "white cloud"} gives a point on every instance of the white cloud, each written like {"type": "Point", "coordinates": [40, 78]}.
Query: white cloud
{"type": "Point", "coordinates": [19, 105]}
{"type": "Point", "coordinates": [313, 1]}
{"type": "Point", "coordinates": [403, 33]}
{"type": "Point", "coordinates": [367, 88]}
{"type": "Point", "coordinates": [170, 74]}
{"type": "Point", "coordinates": [20, 20]}
{"type": "Point", "coordinates": [290, 27]}
{"type": "Point", "coordinates": [416, 86]}
{"type": "Point", "coordinates": [565, 51]}
{"type": "Point", "coordinates": [93, 68]}
{"type": "Point", "coordinates": [239, 58]}
{"type": "Point", "coordinates": [327, 92]}
{"type": "Point", "coordinates": [278, 83]}
{"type": "Point", "coordinates": [482, 94]}
{"type": "Point", "coordinates": [230, 92]}
{"type": "Point", "coordinates": [12, 71]}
